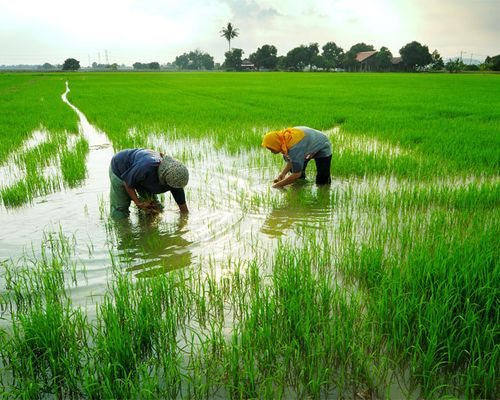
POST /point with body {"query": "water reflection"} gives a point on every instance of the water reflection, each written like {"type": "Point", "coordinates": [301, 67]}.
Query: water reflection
{"type": "Point", "coordinates": [153, 246]}
{"type": "Point", "coordinates": [301, 206]}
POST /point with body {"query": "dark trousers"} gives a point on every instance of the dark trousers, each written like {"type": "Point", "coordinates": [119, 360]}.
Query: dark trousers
{"type": "Point", "coordinates": [323, 170]}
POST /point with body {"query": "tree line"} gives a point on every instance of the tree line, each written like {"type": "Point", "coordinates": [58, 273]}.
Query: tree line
{"type": "Point", "coordinates": [360, 57]}
{"type": "Point", "coordinates": [414, 57]}
{"type": "Point", "coordinates": [331, 57]}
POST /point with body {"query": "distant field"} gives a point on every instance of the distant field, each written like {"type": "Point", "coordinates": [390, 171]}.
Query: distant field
{"type": "Point", "coordinates": [451, 120]}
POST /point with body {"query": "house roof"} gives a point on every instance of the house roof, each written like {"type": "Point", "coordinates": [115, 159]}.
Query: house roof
{"type": "Point", "coordinates": [396, 60]}
{"type": "Point", "coordinates": [247, 63]}
{"type": "Point", "coordinates": [364, 55]}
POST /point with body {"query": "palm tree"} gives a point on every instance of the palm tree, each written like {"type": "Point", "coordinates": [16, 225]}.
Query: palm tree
{"type": "Point", "coordinates": [229, 32]}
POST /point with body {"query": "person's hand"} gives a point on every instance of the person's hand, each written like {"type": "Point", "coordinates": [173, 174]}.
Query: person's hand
{"type": "Point", "coordinates": [279, 178]}
{"type": "Point", "coordinates": [149, 206]}
{"type": "Point", "coordinates": [143, 205]}
{"type": "Point", "coordinates": [153, 210]}
{"type": "Point", "coordinates": [277, 184]}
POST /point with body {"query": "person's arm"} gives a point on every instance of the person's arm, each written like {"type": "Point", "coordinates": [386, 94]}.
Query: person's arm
{"type": "Point", "coordinates": [180, 198]}
{"type": "Point", "coordinates": [133, 195]}
{"type": "Point", "coordinates": [286, 181]}
{"type": "Point", "coordinates": [286, 169]}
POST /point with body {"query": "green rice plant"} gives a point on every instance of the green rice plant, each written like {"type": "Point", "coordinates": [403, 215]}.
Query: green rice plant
{"type": "Point", "coordinates": [73, 167]}
{"type": "Point", "coordinates": [48, 167]}
{"type": "Point", "coordinates": [455, 195]}
{"type": "Point", "coordinates": [25, 191]}
{"type": "Point", "coordinates": [43, 353]}
{"type": "Point", "coordinates": [286, 332]}
{"type": "Point", "coordinates": [437, 311]}
{"type": "Point", "coordinates": [349, 162]}
{"type": "Point", "coordinates": [15, 195]}
{"type": "Point", "coordinates": [296, 329]}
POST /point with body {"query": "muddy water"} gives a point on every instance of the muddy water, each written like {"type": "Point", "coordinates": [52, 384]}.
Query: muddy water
{"type": "Point", "coordinates": [227, 219]}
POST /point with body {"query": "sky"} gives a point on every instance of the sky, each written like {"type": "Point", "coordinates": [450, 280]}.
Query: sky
{"type": "Point", "coordinates": [128, 31]}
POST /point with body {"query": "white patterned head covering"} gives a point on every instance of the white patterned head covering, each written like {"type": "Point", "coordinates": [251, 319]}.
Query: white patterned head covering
{"type": "Point", "coordinates": [173, 173]}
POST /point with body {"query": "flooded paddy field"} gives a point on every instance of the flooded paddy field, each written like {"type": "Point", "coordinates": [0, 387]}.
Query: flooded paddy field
{"type": "Point", "coordinates": [382, 285]}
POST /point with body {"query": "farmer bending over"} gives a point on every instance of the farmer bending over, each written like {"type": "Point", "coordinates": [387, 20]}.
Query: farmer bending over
{"type": "Point", "coordinates": [299, 145]}
{"type": "Point", "coordinates": [138, 175]}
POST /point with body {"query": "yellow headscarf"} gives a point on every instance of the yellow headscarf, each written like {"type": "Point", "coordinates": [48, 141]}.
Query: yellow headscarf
{"type": "Point", "coordinates": [282, 140]}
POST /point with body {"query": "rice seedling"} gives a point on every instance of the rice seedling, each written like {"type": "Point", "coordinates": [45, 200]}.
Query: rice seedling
{"type": "Point", "coordinates": [73, 163]}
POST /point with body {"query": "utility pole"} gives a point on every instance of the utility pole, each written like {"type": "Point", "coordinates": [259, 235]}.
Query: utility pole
{"type": "Point", "coordinates": [107, 60]}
